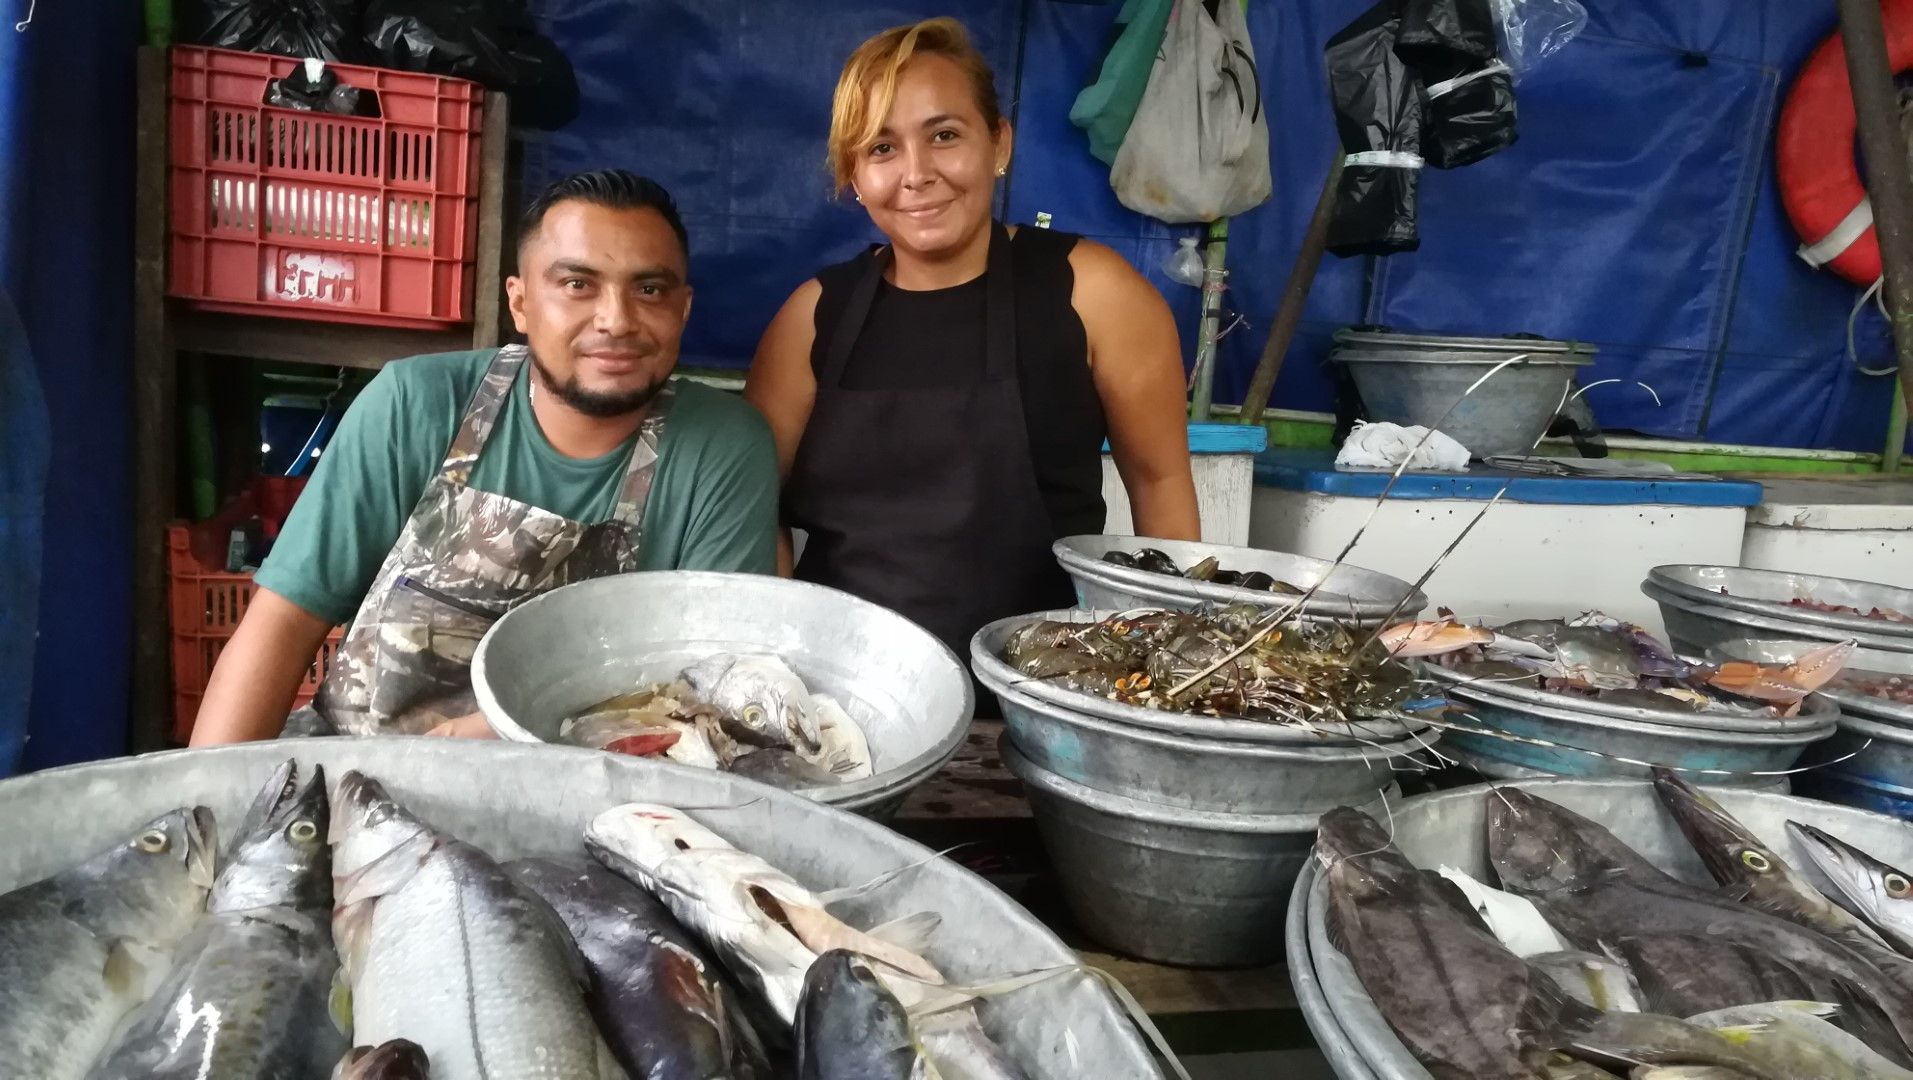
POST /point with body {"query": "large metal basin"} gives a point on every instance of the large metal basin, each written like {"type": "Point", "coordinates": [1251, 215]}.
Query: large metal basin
{"type": "Point", "coordinates": [1496, 769]}
{"type": "Point", "coordinates": [986, 659]}
{"type": "Point", "coordinates": [1349, 594]}
{"type": "Point", "coordinates": [1184, 887]}
{"type": "Point", "coordinates": [1816, 712]}
{"type": "Point", "coordinates": [516, 801]}
{"type": "Point", "coordinates": [1694, 627]}
{"type": "Point", "coordinates": [1199, 774]}
{"type": "Point", "coordinates": [576, 646]}
{"type": "Point", "coordinates": [1767, 592]}
{"type": "Point", "coordinates": [1450, 828]}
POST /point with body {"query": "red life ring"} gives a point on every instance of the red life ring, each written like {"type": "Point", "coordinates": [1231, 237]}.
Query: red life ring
{"type": "Point", "coordinates": [1819, 175]}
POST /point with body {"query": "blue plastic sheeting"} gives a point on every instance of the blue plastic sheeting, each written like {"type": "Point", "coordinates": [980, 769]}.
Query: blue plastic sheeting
{"type": "Point", "coordinates": [1637, 212]}
{"type": "Point", "coordinates": [24, 444]}
{"type": "Point", "coordinates": [1314, 470]}
{"type": "Point", "coordinates": [66, 259]}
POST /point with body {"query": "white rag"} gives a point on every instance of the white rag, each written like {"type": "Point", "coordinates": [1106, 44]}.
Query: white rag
{"type": "Point", "coordinates": [1385, 446]}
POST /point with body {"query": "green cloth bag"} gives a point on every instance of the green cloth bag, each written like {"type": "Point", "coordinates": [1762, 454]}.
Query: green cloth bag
{"type": "Point", "coordinates": [1108, 103]}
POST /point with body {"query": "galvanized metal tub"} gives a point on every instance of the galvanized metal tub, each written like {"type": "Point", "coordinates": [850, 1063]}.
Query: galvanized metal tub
{"type": "Point", "coordinates": [1183, 887]}
{"type": "Point", "coordinates": [1450, 828]}
{"type": "Point", "coordinates": [1349, 594]}
{"type": "Point", "coordinates": [1695, 627]}
{"type": "Point", "coordinates": [1587, 744]}
{"type": "Point", "coordinates": [1417, 378]}
{"type": "Point", "coordinates": [1503, 770]}
{"type": "Point", "coordinates": [1198, 774]}
{"type": "Point", "coordinates": [1767, 592]}
{"type": "Point", "coordinates": [986, 659]}
{"type": "Point", "coordinates": [1852, 702]}
{"type": "Point", "coordinates": [514, 801]}
{"type": "Point", "coordinates": [1868, 764]}
{"type": "Point", "coordinates": [1816, 714]}
{"type": "Point", "coordinates": [578, 645]}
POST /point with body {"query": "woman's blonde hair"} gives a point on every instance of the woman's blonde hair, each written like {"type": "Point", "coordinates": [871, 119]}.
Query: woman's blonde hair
{"type": "Point", "coordinates": [868, 86]}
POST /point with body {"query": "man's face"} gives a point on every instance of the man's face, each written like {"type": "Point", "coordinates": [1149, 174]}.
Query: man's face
{"type": "Point", "coordinates": [601, 296]}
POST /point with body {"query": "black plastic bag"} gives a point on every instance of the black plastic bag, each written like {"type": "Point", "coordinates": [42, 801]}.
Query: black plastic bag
{"type": "Point", "coordinates": [323, 94]}
{"type": "Point", "coordinates": [1469, 117]}
{"type": "Point", "coordinates": [491, 42]}
{"type": "Point", "coordinates": [1446, 34]}
{"type": "Point", "coordinates": [326, 29]}
{"type": "Point", "coordinates": [1379, 102]}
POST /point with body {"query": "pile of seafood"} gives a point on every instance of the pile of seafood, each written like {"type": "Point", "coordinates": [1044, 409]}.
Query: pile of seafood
{"type": "Point", "coordinates": [1226, 662]}
{"type": "Point", "coordinates": [1603, 658]}
{"type": "Point", "coordinates": [751, 715]}
{"type": "Point", "coordinates": [1810, 604]}
{"type": "Point", "coordinates": [341, 930]}
{"type": "Point", "coordinates": [1895, 688]}
{"type": "Point", "coordinates": [1157, 562]}
{"type": "Point", "coordinates": [1590, 962]}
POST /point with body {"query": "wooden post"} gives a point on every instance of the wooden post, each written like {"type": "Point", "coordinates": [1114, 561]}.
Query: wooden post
{"type": "Point", "coordinates": [153, 417]}
{"type": "Point", "coordinates": [1295, 294]}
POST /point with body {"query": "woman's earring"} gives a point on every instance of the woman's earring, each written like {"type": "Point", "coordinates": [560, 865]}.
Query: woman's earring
{"type": "Point", "coordinates": [1000, 170]}
{"type": "Point", "coordinates": [857, 195]}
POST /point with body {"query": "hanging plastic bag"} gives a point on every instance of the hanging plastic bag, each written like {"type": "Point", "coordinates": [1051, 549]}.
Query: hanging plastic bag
{"type": "Point", "coordinates": [327, 29]}
{"type": "Point", "coordinates": [1198, 149]}
{"type": "Point", "coordinates": [1533, 30]}
{"type": "Point", "coordinates": [1379, 102]}
{"type": "Point", "coordinates": [491, 42]}
{"type": "Point", "coordinates": [1107, 104]}
{"type": "Point", "coordinates": [1185, 263]}
{"type": "Point", "coordinates": [1451, 45]}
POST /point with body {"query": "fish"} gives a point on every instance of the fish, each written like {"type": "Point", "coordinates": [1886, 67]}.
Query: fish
{"type": "Point", "coordinates": [248, 992]}
{"type": "Point", "coordinates": [763, 702]}
{"type": "Point", "coordinates": [79, 950]}
{"type": "Point", "coordinates": [440, 946]}
{"type": "Point", "coordinates": [1875, 891]}
{"type": "Point", "coordinates": [1685, 1072]}
{"type": "Point", "coordinates": [1602, 896]}
{"type": "Point", "coordinates": [1752, 873]}
{"type": "Point", "coordinates": [665, 1008]}
{"type": "Point", "coordinates": [1796, 1036]}
{"type": "Point", "coordinates": [399, 1059]}
{"type": "Point", "coordinates": [842, 748]}
{"type": "Point", "coordinates": [784, 769]}
{"type": "Point", "coordinates": [851, 1027]}
{"type": "Point", "coordinates": [1595, 981]}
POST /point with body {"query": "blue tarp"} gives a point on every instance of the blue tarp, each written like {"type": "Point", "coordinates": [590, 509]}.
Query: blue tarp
{"type": "Point", "coordinates": [1637, 211]}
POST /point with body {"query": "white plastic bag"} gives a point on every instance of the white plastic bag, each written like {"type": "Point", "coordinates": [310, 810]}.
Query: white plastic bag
{"type": "Point", "coordinates": [1533, 30]}
{"type": "Point", "coordinates": [1384, 446]}
{"type": "Point", "coordinates": [1198, 148]}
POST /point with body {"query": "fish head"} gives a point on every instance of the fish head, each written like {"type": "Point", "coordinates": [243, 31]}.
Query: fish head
{"type": "Point", "coordinates": [1538, 846]}
{"type": "Point", "coordinates": [367, 824]}
{"type": "Point", "coordinates": [645, 836]}
{"type": "Point", "coordinates": [152, 887]}
{"type": "Point", "coordinates": [1733, 854]}
{"type": "Point", "coordinates": [1878, 892]}
{"type": "Point", "coordinates": [279, 854]}
{"type": "Point", "coordinates": [850, 1024]}
{"type": "Point", "coordinates": [1361, 853]}
{"type": "Point", "coordinates": [400, 1059]}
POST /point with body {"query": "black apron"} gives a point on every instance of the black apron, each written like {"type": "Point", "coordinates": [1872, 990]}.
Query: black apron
{"type": "Point", "coordinates": [924, 499]}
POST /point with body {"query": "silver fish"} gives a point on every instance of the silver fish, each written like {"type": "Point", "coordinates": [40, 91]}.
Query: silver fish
{"type": "Point", "coordinates": [440, 946]}
{"type": "Point", "coordinates": [1879, 893]}
{"type": "Point", "coordinates": [81, 949]}
{"type": "Point", "coordinates": [1796, 1035]}
{"type": "Point", "coordinates": [784, 769]}
{"type": "Point", "coordinates": [247, 993]}
{"type": "Point", "coordinates": [763, 701]}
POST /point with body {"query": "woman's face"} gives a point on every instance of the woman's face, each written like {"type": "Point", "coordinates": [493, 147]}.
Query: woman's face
{"type": "Point", "coordinates": [928, 179]}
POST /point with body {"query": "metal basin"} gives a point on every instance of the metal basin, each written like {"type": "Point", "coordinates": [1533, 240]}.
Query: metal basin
{"type": "Point", "coordinates": [1767, 592]}
{"type": "Point", "coordinates": [1450, 828]}
{"type": "Point", "coordinates": [578, 645]}
{"type": "Point", "coordinates": [986, 652]}
{"type": "Point", "coordinates": [1581, 739]}
{"type": "Point", "coordinates": [1695, 627]}
{"type": "Point", "coordinates": [1183, 887]}
{"type": "Point", "coordinates": [1816, 713]}
{"type": "Point", "coordinates": [1497, 769]}
{"type": "Point", "coordinates": [517, 801]}
{"type": "Point", "coordinates": [1349, 594]}
{"type": "Point", "coordinates": [1198, 774]}
{"type": "Point", "coordinates": [1852, 703]}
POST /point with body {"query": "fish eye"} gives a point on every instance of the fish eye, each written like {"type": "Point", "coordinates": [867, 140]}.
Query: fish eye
{"type": "Point", "coordinates": [753, 714]}
{"type": "Point", "coordinates": [1897, 886]}
{"type": "Point", "coordinates": [1756, 862]}
{"type": "Point", "coordinates": [304, 832]}
{"type": "Point", "coordinates": [153, 841]}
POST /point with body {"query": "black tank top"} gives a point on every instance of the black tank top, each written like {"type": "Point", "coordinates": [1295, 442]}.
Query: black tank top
{"type": "Point", "coordinates": [935, 338]}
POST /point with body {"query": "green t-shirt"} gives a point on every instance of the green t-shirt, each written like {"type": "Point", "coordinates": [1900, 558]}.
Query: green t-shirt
{"type": "Point", "coordinates": [713, 503]}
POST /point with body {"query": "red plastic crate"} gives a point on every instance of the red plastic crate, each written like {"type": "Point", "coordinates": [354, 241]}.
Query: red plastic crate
{"type": "Point", "coordinates": [313, 215]}
{"type": "Point", "coordinates": [206, 606]}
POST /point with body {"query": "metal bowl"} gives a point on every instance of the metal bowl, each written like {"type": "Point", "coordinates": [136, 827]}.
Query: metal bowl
{"type": "Point", "coordinates": [1349, 594]}
{"type": "Point", "coordinates": [986, 659]}
{"type": "Point", "coordinates": [1767, 592]}
{"type": "Point", "coordinates": [1183, 887]}
{"type": "Point", "coordinates": [1497, 769]}
{"type": "Point", "coordinates": [1869, 764]}
{"type": "Point", "coordinates": [1198, 774]}
{"type": "Point", "coordinates": [514, 801]}
{"type": "Point", "coordinates": [1852, 702]}
{"type": "Point", "coordinates": [1450, 828]}
{"type": "Point", "coordinates": [578, 645]}
{"type": "Point", "coordinates": [1694, 627]}
{"type": "Point", "coordinates": [1816, 712]}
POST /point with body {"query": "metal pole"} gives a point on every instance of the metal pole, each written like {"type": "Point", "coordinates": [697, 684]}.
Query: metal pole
{"type": "Point", "coordinates": [1288, 316]}
{"type": "Point", "coordinates": [1889, 183]}
{"type": "Point", "coordinates": [1215, 275]}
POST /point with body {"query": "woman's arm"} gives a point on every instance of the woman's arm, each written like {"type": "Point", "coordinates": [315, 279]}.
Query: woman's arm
{"type": "Point", "coordinates": [1136, 360]}
{"type": "Point", "coordinates": [782, 387]}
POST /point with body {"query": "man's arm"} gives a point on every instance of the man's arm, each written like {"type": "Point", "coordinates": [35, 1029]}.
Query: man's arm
{"type": "Point", "coordinates": [259, 671]}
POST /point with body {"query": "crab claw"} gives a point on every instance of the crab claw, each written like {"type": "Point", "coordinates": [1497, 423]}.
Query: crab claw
{"type": "Point", "coordinates": [1783, 684]}
{"type": "Point", "coordinates": [1432, 638]}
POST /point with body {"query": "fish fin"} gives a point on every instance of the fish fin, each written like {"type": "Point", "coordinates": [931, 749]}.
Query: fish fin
{"type": "Point", "coordinates": [820, 932]}
{"type": "Point", "coordinates": [338, 1003]}
{"type": "Point", "coordinates": [387, 872]}
{"type": "Point", "coordinates": [849, 892]}
{"type": "Point", "coordinates": [912, 932]}
{"type": "Point", "coordinates": [123, 971]}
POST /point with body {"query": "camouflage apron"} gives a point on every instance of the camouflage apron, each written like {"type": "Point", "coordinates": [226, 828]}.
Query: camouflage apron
{"type": "Point", "coordinates": [464, 558]}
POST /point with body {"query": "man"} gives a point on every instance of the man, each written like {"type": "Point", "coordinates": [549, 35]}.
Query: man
{"type": "Point", "coordinates": [460, 484]}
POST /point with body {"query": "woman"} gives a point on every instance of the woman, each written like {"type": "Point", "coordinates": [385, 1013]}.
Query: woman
{"type": "Point", "coordinates": [940, 402]}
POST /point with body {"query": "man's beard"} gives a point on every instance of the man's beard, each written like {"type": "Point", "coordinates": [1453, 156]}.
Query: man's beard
{"type": "Point", "coordinates": [601, 404]}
